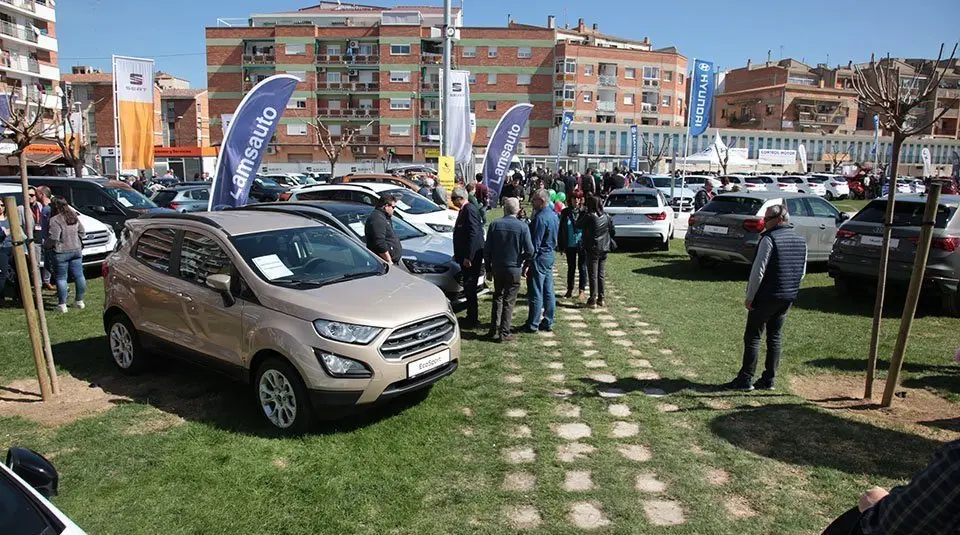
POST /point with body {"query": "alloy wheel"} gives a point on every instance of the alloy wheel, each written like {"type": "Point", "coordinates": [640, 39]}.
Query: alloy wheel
{"type": "Point", "coordinates": [121, 345]}
{"type": "Point", "coordinates": [278, 399]}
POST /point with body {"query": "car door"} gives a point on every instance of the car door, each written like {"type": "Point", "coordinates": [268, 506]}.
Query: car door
{"type": "Point", "coordinates": [804, 225]}
{"type": "Point", "coordinates": [216, 328]}
{"type": "Point", "coordinates": [826, 219]}
{"type": "Point", "coordinates": [155, 286]}
{"type": "Point", "coordinates": [91, 200]}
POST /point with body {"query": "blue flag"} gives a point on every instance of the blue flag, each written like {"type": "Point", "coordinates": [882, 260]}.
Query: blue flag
{"type": "Point", "coordinates": [561, 148]}
{"type": "Point", "coordinates": [634, 148]}
{"type": "Point", "coordinates": [502, 147]}
{"type": "Point", "coordinates": [246, 140]}
{"type": "Point", "coordinates": [876, 134]}
{"type": "Point", "coordinates": [701, 96]}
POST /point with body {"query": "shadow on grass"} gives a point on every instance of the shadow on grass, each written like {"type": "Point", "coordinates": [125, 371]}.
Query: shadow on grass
{"type": "Point", "coordinates": [829, 299]}
{"type": "Point", "coordinates": [805, 435]}
{"type": "Point", "coordinates": [939, 383]}
{"type": "Point", "coordinates": [952, 372]}
{"type": "Point", "coordinates": [687, 270]}
{"type": "Point", "coordinates": [949, 424]}
{"type": "Point", "coordinates": [198, 395]}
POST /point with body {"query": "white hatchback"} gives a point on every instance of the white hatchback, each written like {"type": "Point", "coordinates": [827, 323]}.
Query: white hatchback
{"type": "Point", "coordinates": [804, 185]}
{"type": "Point", "coordinates": [835, 185]}
{"type": "Point", "coordinates": [641, 213]}
{"type": "Point", "coordinates": [776, 183]}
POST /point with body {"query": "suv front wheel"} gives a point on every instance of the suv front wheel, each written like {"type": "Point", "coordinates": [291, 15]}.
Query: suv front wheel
{"type": "Point", "coordinates": [125, 347]}
{"type": "Point", "coordinates": [282, 397]}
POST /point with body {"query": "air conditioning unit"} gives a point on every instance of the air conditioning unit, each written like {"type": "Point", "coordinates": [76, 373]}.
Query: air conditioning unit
{"type": "Point", "coordinates": [353, 44]}
{"type": "Point", "coordinates": [354, 72]}
{"type": "Point", "coordinates": [322, 69]}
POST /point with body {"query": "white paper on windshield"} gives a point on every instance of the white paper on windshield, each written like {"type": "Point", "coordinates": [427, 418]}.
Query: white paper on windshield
{"type": "Point", "coordinates": [358, 228]}
{"type": "Point", "coordinates": [124, 202]}
{"type": "Point", "coordinates": [272, 267]}
{"type": "Point", "coordinates": [402, 205]}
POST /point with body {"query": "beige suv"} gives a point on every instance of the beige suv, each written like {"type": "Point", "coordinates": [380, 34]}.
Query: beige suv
{"type": "Point", "coordinates": [305, 314]}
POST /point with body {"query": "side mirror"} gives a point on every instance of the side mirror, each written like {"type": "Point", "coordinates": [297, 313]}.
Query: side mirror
{"type": "Point", "coordinates": [843, 217]}
{"type": "Point", "coordinates": [221, 283]}
{"type": "Point", "coordinates": [99, 209]}
{"type": "Point", "coordinates": [36, 470]}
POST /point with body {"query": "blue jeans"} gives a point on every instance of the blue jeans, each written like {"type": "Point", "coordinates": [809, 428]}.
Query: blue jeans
{"type": "Point", "coordinates": [540, 294]}
{"type": "Point", "coordinates": [72, 261]}
{"type": "Point", "coordinates": [5, 254]}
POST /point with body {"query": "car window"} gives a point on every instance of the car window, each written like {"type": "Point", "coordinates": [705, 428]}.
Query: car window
{"type": "Point", "coordinates": [19, 514]}
{"type": "Point", "coordinates": [816, 179]}
{"type": "Point", "coordinates": [163, 198]}
{"type": "Point", "coordinates": [754, 180]}
{"type": "Point", "coordinates": [821, 208]}
{"type": "Point", "coordinates": [155, 248]}
{"type": "Point", "coordinates": [200, 257]}
{"type": "Point", "coordinates": [200, 194]}
{"type": "Point", "coordinates": [633, 200]}
{"type": "Point", "coordinates": [905, 214]}
{"type": "Point", "coordinates": [796, 208]}
{"type": "Point", "coordinates": [412, 202]}
{"type": "Point", "coordinates": [87, 197]}
{"type": "Point", "coordinates": [313, 196]}
{"type": "Point", "coordinates": [129, 197]}
{"type": "Point", "coordinates": [358, 196]}
{"type": "Point", "coordinates": [727, 204]}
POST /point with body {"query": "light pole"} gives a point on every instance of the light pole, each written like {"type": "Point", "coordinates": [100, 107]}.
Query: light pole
{"type": "Point", "coordinates": [414, 131]}
{"type": "Point", "coordinates": [448, 33]}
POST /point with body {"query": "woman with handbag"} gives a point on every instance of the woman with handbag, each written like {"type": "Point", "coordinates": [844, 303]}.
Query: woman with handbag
{"type": "Point", "coordinates": [65, 238]}
{"type": "Point", "coordinates": [598, 241]}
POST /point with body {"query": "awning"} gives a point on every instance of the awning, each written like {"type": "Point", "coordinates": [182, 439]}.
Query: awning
{"type": "Point", "coordinates": [33, 160]}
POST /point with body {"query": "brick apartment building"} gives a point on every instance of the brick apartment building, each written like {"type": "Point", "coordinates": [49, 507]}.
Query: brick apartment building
{"type": "Point", "coordinates": [788, 96]}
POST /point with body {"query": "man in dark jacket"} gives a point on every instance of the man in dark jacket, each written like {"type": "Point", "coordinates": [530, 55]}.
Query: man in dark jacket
{"type": "Point", "coordinates": [778, 268]}
{"type": "Point", "coordinates": [468, 251]}
{"type": "Point", "coordinates": [587, 184]}
{"type": "Point", "coordinates": [507, 249]}
{"type": "Point", "coordinates": [541, 300]}
{"type": "Point", "coordinates": [703, 196]}
{"type": "Point", "coordinates": [378, 231]}
{"type": "Point", "coordinates": [570, 241]}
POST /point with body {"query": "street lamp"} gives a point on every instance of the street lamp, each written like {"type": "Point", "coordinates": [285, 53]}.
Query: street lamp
{"type": "Point", "coordinates": [413, 128]}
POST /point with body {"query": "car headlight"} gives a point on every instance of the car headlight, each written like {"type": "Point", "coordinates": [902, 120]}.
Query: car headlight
{"type": "Point", "coordinates": [420, 268]}
{"type": "Point", "coordinates": [440, 228]}
{"type": "Point", "coordinates": [346, 332]}
{"type": "Point", "coordinates": [337, 366]}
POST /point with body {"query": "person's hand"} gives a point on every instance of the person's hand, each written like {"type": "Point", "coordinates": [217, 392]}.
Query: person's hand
{"type": "Point", "coordinates": [871, 497]}
{"type": "Point", "coordinates": [467, 263]}
{"type": "Point", "coordinates": [748, 305]}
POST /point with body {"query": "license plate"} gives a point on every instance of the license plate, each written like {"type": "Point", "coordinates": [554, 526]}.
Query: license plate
{"type": "Point", "coordinates": [876, 241]}
{"type": "Point", "coordinates": [713, 229]}
{"type": "Point", "coordinates": [422, 366]}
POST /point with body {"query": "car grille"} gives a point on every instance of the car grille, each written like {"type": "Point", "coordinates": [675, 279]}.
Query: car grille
{"type": "Point", "coordinates": [417, 337]}
{"type": "Point", "coordinates": [96, 239]}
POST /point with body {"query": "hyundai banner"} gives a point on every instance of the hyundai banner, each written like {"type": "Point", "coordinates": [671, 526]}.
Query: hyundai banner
{"type": "Point", "coordinates": [246, 140]}
{"type": "Point", "coordinates": [460, 145]}
{"type": "Point", "coordinates": [701, 96]}
{"type": "Point", "coordinates": [634, 148]}
{"type": "Point", "coordinates": [561, 147]}
{"type": "Point", "coordinates": [502, 147]}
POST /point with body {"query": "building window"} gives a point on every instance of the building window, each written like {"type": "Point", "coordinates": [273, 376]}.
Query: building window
{"type": "Point", "coordinates": [302, 75]}
{"type": "Point", "coordinates": [333, 50]}
{"type": "Point", "coordinates": [399, 104]}
{"type": "Point", "coordinates": [588, 96]}
{"type": "Point", "coordinates": [651, 76]}
{"type": "Point", "coordinates": [296, 50]}
{"type": "Point", "coordinates": [628, 121]}
{"type": "Point", "coordinates": [491, 105]}
{"type": "Point", "coordinates": [400, 77]}
{"type": "Point", "coordinates": [526, 131]}
{"type": "Point", "coordinates": [569, 93]}
{"type": "Point", "coordinates": [628, 99]}
{"type": "Point", "coordinates": [473, 79]}
{"type": "Point", "coordinates": [333, 104]}
{"type": "Point", "coordinates": [524, 52]}
{"type": "Point", "coordinates": [680, 77]}
{"type": "Point", "coordinates": [297, 104]}
{"type": "Point", "coordinates": [524, 79]}
{"type": "Point", "coordinates": [571, 67]}
{"type": "Point", "coordinates": [400, 130]}
{"type": "Point", "coordinates": [296, 129]}
{"type": "Point", "coordinates": [588, 70]}
{"type": "Point", "coordinates": [334, 129]}
{"type": "Point", "coordinates": [769, 109]}
{"type": "Point", "coordinates": [469, 51]}
{"type": "Point", "coordinates": [666, 100]}
{"type": "Point", "coordinates": [473, 106]}
{"type": "Point", "coordinates": [492, 78]}
{"type": "Point", "coordinates": [334, 76]}
{"type": "Point", "coordinates": [667, 76]}
{"type": "Point", "coordinates": [492, 52]}
{"type": "Point", "coordinates": [399, 50]}
{"type": "Point", "coordinates": [629, 73]}
{"type": "Point", "coordinates": [723, 113]}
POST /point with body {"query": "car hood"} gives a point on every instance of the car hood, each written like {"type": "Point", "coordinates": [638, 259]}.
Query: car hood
{"type": "Point", "coordinates": [152, 210]}
{"type": "Point", "coordinates": [384, 301]}
{"type": "Point", "coordinates": [432, 249]}
{"type": "Point", "coordinates": [683, 192]}
{"type": "Point", "coordinates": [90, 224]}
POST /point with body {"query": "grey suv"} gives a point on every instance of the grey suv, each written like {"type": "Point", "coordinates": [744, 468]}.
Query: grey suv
{"type": "Point", "coordinates": [856, 254]}
{"type": "Point", "coordinates": [308, 316]}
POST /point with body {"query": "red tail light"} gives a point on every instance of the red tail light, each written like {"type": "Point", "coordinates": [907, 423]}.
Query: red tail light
{"type": "Point", "coordinates": [784, 185]}
{"type": "Point", "coordinates": [753, 225]}
{"type": "Point", "coordinates": [750, 185]}
{"type": "Point", "coordinates": [173, 206]}
{"type": "Point", "coordinates": [693, 221]}
{"type": "Point", "coordinates": [844, 234]}
{"type": "Point", "coordinates": [657, 217]}
{"type": "Point", "coordinates": [104, 269]}
{"type": "Point", "coordinates": [947, 244]}
{"type": "Point", "coordinates": [285, 196]}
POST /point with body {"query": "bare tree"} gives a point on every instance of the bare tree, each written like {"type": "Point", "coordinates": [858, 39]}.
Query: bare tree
{"type": "Point", "coordinates": [881, 89]}
{"type": "Point", "coordinates": [724, 156]}
{"type": "Point", "coordinates": [655, 154]}
{"type": "Point", "coordinates": [332, 145]}
{"type": "Point", "coordinates": [75, 144]}
{"type": "Point", "coordinates": [836, 157]}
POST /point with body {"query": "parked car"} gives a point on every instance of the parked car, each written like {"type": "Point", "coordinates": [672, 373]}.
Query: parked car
{"type": "Point", "coordinates": [428, 256]}
{"type": "Point", "coordinates": [835, 186]}
{"type": "Point", "coordinates": [801, 184]}
{"type": "Point", "coordinates": [641, 213]}
{"type": "Point", "coordinates": [28, 482]}
{"type": "Point", "coordinates": [751, 183]}
{"type": "Point", "coordinates": [184, 198]}
{"type": "Point", "coordinates": [327, 326]}
{"type": "Point", "coordinates": [728, 228]}
{"type": "Point", "coordinates": [417, 169]}
{"type": "Point", "coordinates": [856, 253]}
{"type": "Point", "coordinates": [413, 208]}
{"type": "Point", "coordinates": [377, 178]}
{"type": "Point", "coordinates": [776, 183]}
{"type": "Point", "coordinates": [682, 198]}
{"type": "Point", "coordinates": [320, 177]}
{"type": "Point", "coordinates": [99, 241]}
{"type": "Point", "coordinates": [697, 182]}
{"type": "Point", "coordinates": [288, 180]}
{"type": "Point", "coordinates": [108, 201]}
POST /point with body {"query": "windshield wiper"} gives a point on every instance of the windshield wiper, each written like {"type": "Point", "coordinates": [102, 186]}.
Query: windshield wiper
{"type": "Point", "coordinates": [297, 283]}
{"type": "Point", "coordinates": [348, 276]}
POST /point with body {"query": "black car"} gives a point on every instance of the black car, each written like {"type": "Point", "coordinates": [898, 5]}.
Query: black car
{"type": "Point", "coordinates": [265, 189]}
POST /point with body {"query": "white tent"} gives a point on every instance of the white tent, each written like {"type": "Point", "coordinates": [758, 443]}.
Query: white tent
{"type": "Point", "coordinates": [712, 155]}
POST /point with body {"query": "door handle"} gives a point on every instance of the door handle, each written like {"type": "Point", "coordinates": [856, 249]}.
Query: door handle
{"type": "Point", "coordinates": [185, 297]}
{"type": "Point", "coordinates": [823, 227]}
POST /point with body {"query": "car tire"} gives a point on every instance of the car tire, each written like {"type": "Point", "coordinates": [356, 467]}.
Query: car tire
{"type": "Point", "coordinates": [829, 195]}
{"type": "Point", "coordinates": [665, 244]}
{"type": "Point", "coordinates": [951, 304]}
{"type": "Point", "coordinates": [282, 397]}
{"type": "Point", "coordinates": [701, 261]}
{"type": "Point", "coordinates": [125, 348]}
{"type": "Point", "coordinates": [845, 287]}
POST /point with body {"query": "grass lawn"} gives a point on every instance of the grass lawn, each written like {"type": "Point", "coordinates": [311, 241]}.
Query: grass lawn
{"type": "Point", "coordinates": [184, 452]}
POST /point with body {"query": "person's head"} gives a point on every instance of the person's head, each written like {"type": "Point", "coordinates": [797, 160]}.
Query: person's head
{"type": "Point", "coordinates": [429, 183]}
{"type": "Point", "coordinates": [516, 179]}
{"type": "Point", "coordinates": [459, 197]}
{"type": "Point", "coordinates": [708, 185]}
{"type": "Point", "coordinates": [3, 210]}
{"type": "Point", "coordinates": [776, 215]}
{"type": "Point", "coordinates": [479, 178]}
{"type": "Point", "coordinates": [60, 207]}
{"type": "Point", "coordinates": [593, 205]}
{"type": "Point", "coordinates": [44, 195]}
{"type": "Point", "coordinates": [32, 195]}
{"type": "Point", "coordinates": [511, 206]}
{"type": "Point", "coordinates": [387, 203]}
{"type": "Point", "coordinates": [576, 198]}
{"type": "Point", "coordinates": [471, 188]}
{"type": "Point", "coordinates": [196, 176]}
{"type": "Point", "coordinates": [540, 199]}
{"type": "Point", "coordinates": [725, 181]}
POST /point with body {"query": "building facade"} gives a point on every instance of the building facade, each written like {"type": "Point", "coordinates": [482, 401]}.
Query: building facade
{"type": "Point", "coordinates": [28, 51]}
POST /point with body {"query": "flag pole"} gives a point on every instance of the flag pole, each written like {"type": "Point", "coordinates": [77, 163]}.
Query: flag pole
{"type": "Point", "coordinates": [686, 144]}
{"type": "Point", "coordinates": [116, 121]}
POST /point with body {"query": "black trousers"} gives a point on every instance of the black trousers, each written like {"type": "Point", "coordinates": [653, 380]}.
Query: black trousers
{"type": "Point", "coordinates": [596, 266]}
{"type": "Point", "coordinates": [470, 277]}
{"type": "Point", "coordinates": [769, 315]}
{"type": "Point", "coordinates": [576, 258]}
{"type": "Point", "coordinates": [506, 286]}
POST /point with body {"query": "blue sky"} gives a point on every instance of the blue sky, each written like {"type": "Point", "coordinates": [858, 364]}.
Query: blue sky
{"type": "Point", "coordinates": [171, 31]}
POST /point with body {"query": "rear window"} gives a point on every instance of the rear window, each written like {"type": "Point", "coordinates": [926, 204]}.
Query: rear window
{"type": "Point", "coordinates": [734, 205]}
{"type": "Point", "coordinates": [791, 180]}
{"type": "Point", "coordinates": [162, 198]}
{"type": "Point", "coordinates": [633, 200]}
{"type": "Point", "coordinates": [129, 197]}
{"type": "Point", "coordinates": [755, 180]}
{"type": "Point", "coordinates": [905, 214]}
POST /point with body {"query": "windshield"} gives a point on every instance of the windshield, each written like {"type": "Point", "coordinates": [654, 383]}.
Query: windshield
{"type": "Point", "coordinates": [412, 202]}
{"type": "Point", "coordinates": [357, 222]}
{"type": "Point", "coordinates": [664, 181]}
{"type": "Point", "coordinates": [754, 180]}
{"type": "Point", "coordinates": [635, 200]}
{"type": "Point", "coordinates": [306, 180]}
{"type": "Point", "coordinates": [268, 182]}
{"type": "Point", "coordinates": [905, 214]}
{"type": "Point", "coordinates": [306, 257]}
{"type": "Point", "coordinates": [791, 180]}
{"type": "Point", "coordinates": [726, 204]}
{"type": "Point", "coordinates": [129, 197]}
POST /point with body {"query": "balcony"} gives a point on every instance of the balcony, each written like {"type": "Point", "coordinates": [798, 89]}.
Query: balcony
{"type": "Point", "coordinates": [430, 139]}
{"type": "Point", "coordinates": [951, 113]}
{"type": "Point", "coordinates": [430, 113]}
{"type": "Point", "coordinates": [607, 80]}
{"type": "Point", "coordinates": [20, 63]}
{"type": "Point", "coordinates": [648, 108]}
{"type": "Point", "coordinates": [31, 8]}
{"type": "Point", "coordinates": [359, 113]}
{"type": "Point", "coordinates": [430, 85]}
{"type": "Point", "coordinates": [370, 59]}
{"type": "Point", "coordinates": [259, 59]}
{"type": "Point", "coordinates": [17, 32]}
{"type": "Point", "coordinates": [564, 78]}
{"type": "Point", "coordinates": [607, 105]}
{"type": "Point", "coordinates": [743, 120]}
{"type": "Point", "coordinates": [431, 59]}
{"type": "Point", "coordinates": [366, 139]}
{"type": "Point", "coordinates": [837, 117]}
{"type": "Point", "coordinates": [360, 87]}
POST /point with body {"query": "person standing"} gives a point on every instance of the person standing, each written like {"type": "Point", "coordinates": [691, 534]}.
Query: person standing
{"type": "Point", "coordinates": [505, 254]}
{"type": "Point", "coordinates": [572, 243]}
{"type": "Point", "coordinates": [587, 185]}
{"type": "Point", "coordinates": [468, 251]}
{"type": "Point", "coordinates": [425, 187]}
{"type": "Point", "coordinates": [65, 239]}
{"type": "Point", "coordinates": [378, 231]}
{"type": "Point", "coordinates": [543, 230]}
{"type": "Point", "coordinates": [6, 253]}
{"type": "Point", "coordinates": [44, 198]}
{"type": "Point", "coordinates": [483, 193]}
{"type": "Point", "coordinates": [703, 196]}
{"type": "Point", "coordinates": [598, 235]}
{"type": "Point", "coordinates": [440, 195]}
{"type": "Point", "coordinates": [778, 268]}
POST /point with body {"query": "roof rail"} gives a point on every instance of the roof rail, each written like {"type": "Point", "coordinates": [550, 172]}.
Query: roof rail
{"type": "Point", "coordinates": [177, 215]}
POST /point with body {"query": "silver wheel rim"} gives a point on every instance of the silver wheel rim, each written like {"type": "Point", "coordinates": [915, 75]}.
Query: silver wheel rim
{"type": "Point", "coordinates": [277, 399]}
{"type": "Point", "coordinates": [121, 345]}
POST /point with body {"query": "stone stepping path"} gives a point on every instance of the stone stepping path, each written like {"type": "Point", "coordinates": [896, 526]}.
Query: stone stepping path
{"type": "Point", "coordinates": [577, 481]}
{"type": "Point", "coordinates": [522, 516]}
{"type": "Point", "coordinates": [519, 482]}
{"type": "Point", "coordinates": [634, 452]}
{"type": "Point", "coordinates": [519, 455]}
{"type": "Point", "coordinates": [567, 410]}
{"type": "Point", "coordinates": [573, 452]}
{"type": "Point", "coordinates": [554, 365]}
{"type": "Point", "coordinates": [663, 512]}
{"type": "Point", "coordinates": [624, 430]}
{"type": "Point", "coordinates": [647, 483]}
{"type": "Point", "coordinates": [572, 432]}
{"type": "Point", "coordinates": [620, 411]}
{"type": "Point", "coordinates": [587, 516]}
{"type": "Point", "coordinates": [595, 363]}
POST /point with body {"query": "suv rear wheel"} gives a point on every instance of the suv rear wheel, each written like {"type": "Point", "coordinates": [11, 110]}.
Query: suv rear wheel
{"type": "Point", "coordinates": [951, 303]}
{"type": "Point", "coordinates": [125, 346]}
{"type": "Point", "coordinates": [282, 397]}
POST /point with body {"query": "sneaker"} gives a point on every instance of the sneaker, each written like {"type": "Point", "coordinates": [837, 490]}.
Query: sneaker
{"type": "Point", "coordinates": [506, 339]}
{"type": "Point", "coordinates": [591, 304]}
{"type": "Point", "coordinates": [529, 330]}
{"type": "Point", "coordinates": [568, 295]}
{"type": "Point", "coordinates": [740, 384]}
{"type": "Point", "coordinates": [764, 384]}
{"type": "Point", "coordinates": [62, 309]}
{"type": "Point", "coordinates": [80, 305]}
{"type": "Point", "coordinates": [600, 303]}
{"type": "Point", "coordinates": [545, 328]}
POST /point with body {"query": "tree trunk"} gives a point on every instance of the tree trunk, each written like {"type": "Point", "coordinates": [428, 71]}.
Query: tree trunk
{"type": "Point", "coordinates": [898, 139]}
{"type": "Point", "coordinates": [78, 166]}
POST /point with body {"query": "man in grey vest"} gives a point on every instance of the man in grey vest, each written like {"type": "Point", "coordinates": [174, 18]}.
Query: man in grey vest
{"type": "Point", "coordinates": [778, 268]}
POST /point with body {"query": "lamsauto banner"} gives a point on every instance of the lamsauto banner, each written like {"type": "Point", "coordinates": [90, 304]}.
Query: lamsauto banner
{"type": "Point", "coordinates": [503, 146]}
{"type": "Point", "coordinates": [246, 140]}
